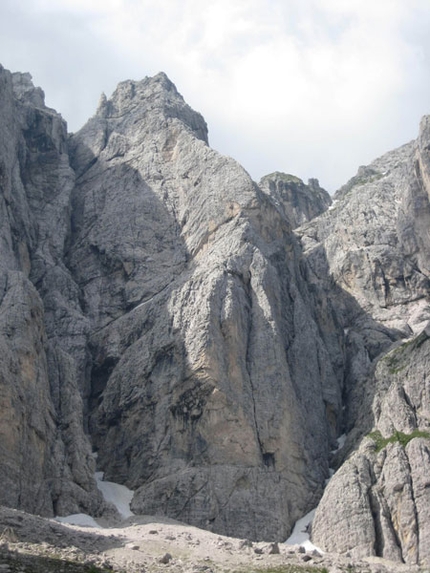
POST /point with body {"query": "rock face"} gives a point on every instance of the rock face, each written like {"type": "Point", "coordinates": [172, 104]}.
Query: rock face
{"type": "Point", "coordinates": [167, 321]}
{"type": "Point", "coordinates": [298, 202]}
{"type": "Point", "coordinates": [378, 503]}
{"type": "Point", "coordinates": [45, 457]}
{"type": "Point", "coordinates": [207, 358]}
{"type": "Point", "coordinates": [208, 337]}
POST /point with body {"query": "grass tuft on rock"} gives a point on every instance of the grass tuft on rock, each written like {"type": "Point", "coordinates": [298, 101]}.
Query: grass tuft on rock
{"type": "Point", "coordinates": [399, 437]}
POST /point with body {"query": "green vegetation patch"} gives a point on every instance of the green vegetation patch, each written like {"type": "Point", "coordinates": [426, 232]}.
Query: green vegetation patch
{"type": "Point", "coordinates": [399, 437]}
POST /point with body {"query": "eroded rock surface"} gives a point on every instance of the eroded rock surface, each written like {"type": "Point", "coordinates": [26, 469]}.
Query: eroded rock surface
{"type": "Point", "coordinates": [377, 500]}
{"type": "Point", "coordinates": [297, 202]}
{"type": "Point", "coordinates": [211, 382]}
{"type": "Point", "coordinates": [380, 495]}
{"type": "Point", "coordinates": [45, 457]}
{"type": "Point", "coordinates": [157, 307]}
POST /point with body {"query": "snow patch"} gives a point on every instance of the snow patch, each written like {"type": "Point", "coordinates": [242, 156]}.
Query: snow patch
{"type": "Point", "coordinates": [119, 495]}
{"type": "Point", "coordinates": [81, 519]}
{"type": "Point", "coordinates": [300, 534]}
{"type": "Point", "coordinates": [340, 443]}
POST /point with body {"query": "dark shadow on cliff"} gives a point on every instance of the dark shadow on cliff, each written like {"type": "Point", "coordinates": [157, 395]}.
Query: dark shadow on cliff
{"type": "Point", "coordinates": [125, 254]}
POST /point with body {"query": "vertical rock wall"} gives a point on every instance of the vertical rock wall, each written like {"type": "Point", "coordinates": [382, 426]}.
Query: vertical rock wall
{"type": "Point", "coordinates": [211, 382]}
{"type": "Point", "coordinates": [45, 462]}
{"type": "Point", "coordinates": [377, 503]}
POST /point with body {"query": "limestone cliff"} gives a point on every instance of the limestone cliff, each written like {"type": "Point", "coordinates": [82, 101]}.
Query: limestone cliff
{"type": "Point", "coordinates": [45, 457]}
{"type": "Point", "coordinates": [373, 243]}
{"type": "Point", "coordinates": [208, 337]}
{"type": "Point", "coordinates": [298, 202]}
{"type": "Point", "coordinates": [167, 321]}
{"type": "Point", "coordinates": [207, 355]}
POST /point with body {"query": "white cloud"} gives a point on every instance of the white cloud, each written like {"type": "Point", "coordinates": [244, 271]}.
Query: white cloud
{"type": "Point", "coordinates": [314, 88]}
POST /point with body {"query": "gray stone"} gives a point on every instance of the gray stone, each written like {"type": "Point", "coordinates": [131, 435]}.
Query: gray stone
{"type": "Point", "coordinates": [297, 202]}
{"type": "Point", "coordinates": [165, 559]}
{"type": "Point", "coordinates": [45, 459]}
{"type": "Point", "coordinates": [274, 549]}
{"type": "Point", "coordinates": [155, 305]}
{"type": "Point", "coordinates": [392, 503]}
{"type": "Point", "coordinates": [195, 395]}
{"type": "Point", "coordinates": [373, 504]}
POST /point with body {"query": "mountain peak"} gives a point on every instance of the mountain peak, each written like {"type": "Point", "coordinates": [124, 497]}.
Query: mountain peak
{"type": "Point", "coordinates": [294, 199]}
{"type": "Point", "coordinates": [133, 100]}
{"type": "Point", "coordinates": [25, 90]}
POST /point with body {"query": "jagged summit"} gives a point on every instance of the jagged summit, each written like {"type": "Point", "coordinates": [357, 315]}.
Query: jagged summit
{"type": "Point", "coordinates": [157, 308]}
{"type": "Point", "coordinates": [151, 109]}
{"type": "Point", "coordinates": [156, 96]}
{"type": "Point", "coordinates": [25, 90]}
{"type": "Point", "coordinates": [295, 200]}
{"type": "Point", "coordinates": [22, 86]}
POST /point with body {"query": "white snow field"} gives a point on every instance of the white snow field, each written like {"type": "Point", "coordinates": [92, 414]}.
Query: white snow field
{"type": "Point", "coordinates": [300, 535]}
{"type": "Point", "coordinates": [119, 495]}
{"type": "Point", "coordinates": [81, 519]}
{"type": "Point", "coordinates": [114, 493]}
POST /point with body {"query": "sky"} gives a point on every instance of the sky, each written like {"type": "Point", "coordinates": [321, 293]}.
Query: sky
{"type": "Point", "coordinates": [314, 88]}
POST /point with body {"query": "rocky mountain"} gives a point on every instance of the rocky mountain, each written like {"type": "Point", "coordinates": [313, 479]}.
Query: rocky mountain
{"type": "Point", "coordinates": [296, 201]}
{"type": "Point", "coordinates": [210, 339]}
{"type": "Point", "coordinates": [46, 464]}
{"type": "Point", "coordinates": [380, 496]}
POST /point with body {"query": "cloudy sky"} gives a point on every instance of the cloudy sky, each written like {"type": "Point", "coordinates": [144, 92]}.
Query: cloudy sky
{"type": "Point", "coordinates": [310, 87]}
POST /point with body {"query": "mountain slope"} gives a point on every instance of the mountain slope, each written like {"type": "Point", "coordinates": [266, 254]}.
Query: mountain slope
{"type": "Point", "coordinates": [203, 341]}
{"type": "Point", "coordinates": [210, 338]}
{"type": "Point", "coordinates": [46, 464]}
{"type": "Point", "coordinates": [374, 243]}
